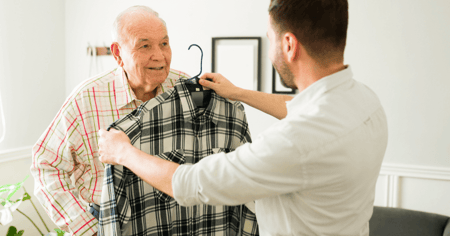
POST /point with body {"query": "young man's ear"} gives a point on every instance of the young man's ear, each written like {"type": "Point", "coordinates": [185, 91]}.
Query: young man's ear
{"type": "Point", "coordinates": [290, 47]}
{"type": "Point", "coordinates": [115, 50]}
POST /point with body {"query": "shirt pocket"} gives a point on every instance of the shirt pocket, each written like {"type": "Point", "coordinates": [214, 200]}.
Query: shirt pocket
{"type": "Point", "coordinates": [176, 156]}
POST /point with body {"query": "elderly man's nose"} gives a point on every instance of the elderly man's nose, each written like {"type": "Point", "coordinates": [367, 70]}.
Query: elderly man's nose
{"type": "Point", "coordinates": [157, 54]}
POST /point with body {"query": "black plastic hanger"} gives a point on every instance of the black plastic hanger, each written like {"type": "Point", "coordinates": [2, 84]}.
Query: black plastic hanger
{"type": "Point", "coordinates": [200, 96]}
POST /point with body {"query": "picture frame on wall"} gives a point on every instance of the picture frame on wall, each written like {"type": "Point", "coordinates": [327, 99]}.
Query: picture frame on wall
{"type": "Point", "coordinates": [277, 86]}
{"type": "Point", "coordinates": [239, 60]}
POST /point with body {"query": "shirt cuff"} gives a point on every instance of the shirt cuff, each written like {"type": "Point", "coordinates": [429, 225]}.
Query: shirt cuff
{"type": "Point", "coordinates": [184, 186]}
{"type": "Point", "coordinates": [85, 224]}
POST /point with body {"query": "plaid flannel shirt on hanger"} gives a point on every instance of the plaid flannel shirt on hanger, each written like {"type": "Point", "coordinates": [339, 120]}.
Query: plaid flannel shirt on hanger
{"type": "Point", "coordinates": [172, 128]}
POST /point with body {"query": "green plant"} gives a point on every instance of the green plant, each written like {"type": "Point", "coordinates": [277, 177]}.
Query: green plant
{"type": "Point", "coordinates": [12, 231]}
{"type": "Point", "coordinates": [10, 206]}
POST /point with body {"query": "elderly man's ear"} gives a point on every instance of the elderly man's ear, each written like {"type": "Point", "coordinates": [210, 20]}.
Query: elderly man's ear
{"type": "Point", "coordinates": [115, 49]}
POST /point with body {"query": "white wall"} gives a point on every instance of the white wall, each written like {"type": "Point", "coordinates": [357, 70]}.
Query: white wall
{"type": "Point", "coordinates": [32, 88]}
{"type": "Point", "coordinates": [401, 50]}
{"type": "Point", "coordinates": [31, 67]}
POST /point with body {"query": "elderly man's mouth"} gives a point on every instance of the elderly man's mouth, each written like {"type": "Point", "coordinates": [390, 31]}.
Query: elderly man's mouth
{"type": "Point", "coordinates": [156, 68]}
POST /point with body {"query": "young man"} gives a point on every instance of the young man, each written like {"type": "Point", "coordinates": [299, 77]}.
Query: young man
{"type": "Point", "coordinates": [314, 171]}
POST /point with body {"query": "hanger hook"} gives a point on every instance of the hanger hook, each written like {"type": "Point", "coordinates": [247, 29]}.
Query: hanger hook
{"type": "Point", "coordinates": [201, 60]}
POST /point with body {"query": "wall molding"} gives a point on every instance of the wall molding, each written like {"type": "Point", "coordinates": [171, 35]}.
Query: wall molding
{"type": "Point", "coordinates": [392, 188]}
{"type": "Point", "coordinates": [395, 172]}
{"type": "Point", "coordinates": [15, 154]}
{"type": "Point", "coordinates": [413, 171]}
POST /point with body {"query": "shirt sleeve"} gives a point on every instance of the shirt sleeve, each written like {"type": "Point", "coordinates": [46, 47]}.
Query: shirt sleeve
{"type": "Point", "coordinates": [55, 159]}
{"type": "Point", "coordinates": [113, 196]}
{"type": "Point", "coordinates": [268, 166]}
{"type": "Point", "coordinates": [115, 210]}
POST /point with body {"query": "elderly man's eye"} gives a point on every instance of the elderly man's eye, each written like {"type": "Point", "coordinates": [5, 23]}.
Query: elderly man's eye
{"type": "Point", "coordinates": [145, 46]}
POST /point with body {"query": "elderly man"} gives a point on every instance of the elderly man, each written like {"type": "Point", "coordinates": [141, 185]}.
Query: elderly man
{"type": "Point", "coordinates": [314, 171]}
{"type": "Point", "coordinates": [67, 171]}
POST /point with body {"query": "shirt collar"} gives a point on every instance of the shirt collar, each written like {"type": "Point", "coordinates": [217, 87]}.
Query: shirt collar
{"type": "Point", "coordinates": [190, 111]}
{"type": "Point", "coordinates": [123, 92]}
{"type": "Point", "coordinates": [318, 88]}
{"type": "Point", "coordinates": [126, 95]}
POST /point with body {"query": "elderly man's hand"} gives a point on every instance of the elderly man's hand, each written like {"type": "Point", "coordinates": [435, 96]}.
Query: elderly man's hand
{"type": "Point", "coordinates": [113, 146]}
{"type": "Point", "coordinates": [222, 86]}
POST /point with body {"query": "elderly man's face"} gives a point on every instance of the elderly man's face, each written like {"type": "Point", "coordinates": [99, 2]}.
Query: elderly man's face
{"type": "Point", "coordinates": [145, 50]}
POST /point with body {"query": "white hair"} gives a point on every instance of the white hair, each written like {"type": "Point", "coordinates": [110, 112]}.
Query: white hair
{"type": "Point", "coordinates": [118, 24]}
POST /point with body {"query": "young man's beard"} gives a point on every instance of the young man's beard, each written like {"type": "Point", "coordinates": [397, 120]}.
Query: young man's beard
{"type": "Point", "coordinates": [286, 77]}
{"type": "Point", "coordinates": [283, 82]}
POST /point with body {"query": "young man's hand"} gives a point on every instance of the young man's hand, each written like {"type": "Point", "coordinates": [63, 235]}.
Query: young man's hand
{"type": "Point", "coordinates": [221, 85]}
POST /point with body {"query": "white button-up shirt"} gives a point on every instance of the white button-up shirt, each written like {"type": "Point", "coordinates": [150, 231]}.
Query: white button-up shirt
{"type": "Point", "coordinates": [311, 173]}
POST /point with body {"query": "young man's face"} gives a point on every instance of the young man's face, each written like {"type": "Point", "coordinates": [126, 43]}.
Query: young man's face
{"type": "Point", "coordinates": [277, 57]}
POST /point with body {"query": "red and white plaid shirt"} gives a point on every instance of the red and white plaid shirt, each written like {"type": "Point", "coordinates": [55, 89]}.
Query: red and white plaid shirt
{"type": "Point", "coordinates": [68, 174]}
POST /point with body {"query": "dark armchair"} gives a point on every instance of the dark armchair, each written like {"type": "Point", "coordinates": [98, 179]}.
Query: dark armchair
{"type": "Point", "coordinates": [387, 221]}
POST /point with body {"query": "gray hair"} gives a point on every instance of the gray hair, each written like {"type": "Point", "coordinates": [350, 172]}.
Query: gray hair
{"type": "Point", "coordinates": [117, 25]}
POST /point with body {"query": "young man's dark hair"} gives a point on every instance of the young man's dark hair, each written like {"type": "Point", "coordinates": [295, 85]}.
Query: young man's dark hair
{"type": "Point", "coordinates": [319, 25]}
